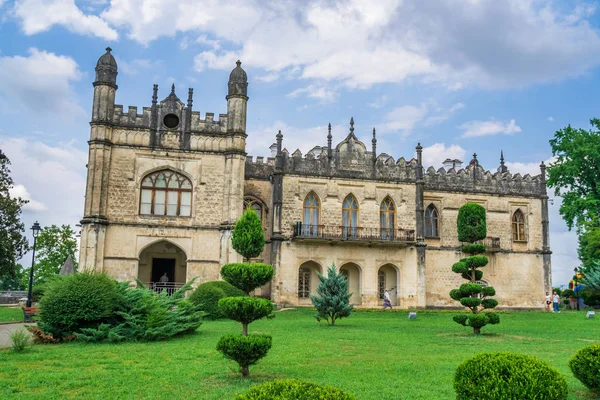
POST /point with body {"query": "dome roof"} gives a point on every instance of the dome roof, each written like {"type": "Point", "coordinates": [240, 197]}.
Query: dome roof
{"type": "Point", "coordinates": [238, 74]}
{"type": "Point", "coordinates": [106, 68]}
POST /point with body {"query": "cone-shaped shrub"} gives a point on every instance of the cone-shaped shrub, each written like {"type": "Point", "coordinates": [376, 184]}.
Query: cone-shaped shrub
{"type": "Point", "coordinates": [333, 300]}
{"type": "Point", "coordinates": [248, 238]}
{"type": "Point", "coordinates": [471, 227]}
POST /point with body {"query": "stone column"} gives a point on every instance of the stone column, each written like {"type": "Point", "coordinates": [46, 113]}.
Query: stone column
{"type": "Point", "coordinates": [546, 253]}
{"type": "Point", "coordinates": [420, 233]}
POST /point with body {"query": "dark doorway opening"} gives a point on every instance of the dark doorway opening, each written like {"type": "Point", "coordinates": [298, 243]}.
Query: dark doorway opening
{"type": "Point", "coordinates": [162, 265]}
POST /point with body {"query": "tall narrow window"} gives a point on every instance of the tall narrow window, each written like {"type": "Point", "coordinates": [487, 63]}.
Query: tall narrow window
{"type": "Point", "coordinates": [303, 283]}
{"type": "Point", "coordinates": [310, 223]}
{"type": "Point", "coordinates": [350, 217]}
{"type": "Point", "coordinates": [386, 219]}
{"type": "Point", "coordinates": [431, 222]}
{"type": "Point", "coordinates": [381, 284]}
{"type": "Point", "coordinates": [518, 226]}
{"type": "Point", "coordinates": [253, 204]}
{"type": "Point", "coordinates": [166, 193]}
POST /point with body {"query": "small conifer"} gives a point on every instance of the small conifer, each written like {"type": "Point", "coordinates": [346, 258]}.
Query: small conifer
{"type": "Point", "coordinates": [333, 300]}
{"type": "Point", "coordinates": [248, 238]}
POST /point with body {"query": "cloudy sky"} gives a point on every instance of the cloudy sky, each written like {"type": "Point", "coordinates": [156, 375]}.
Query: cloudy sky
{"type": "Point", "coordinates": [459, 76]}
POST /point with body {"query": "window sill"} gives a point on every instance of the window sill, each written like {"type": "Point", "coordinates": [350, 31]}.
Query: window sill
{"type": "Point", "coordinates": [433, 237]}
{"type": "Point", "coordinates": [162, 216]}
{"type": "Point", "coordinates": [519, 241]}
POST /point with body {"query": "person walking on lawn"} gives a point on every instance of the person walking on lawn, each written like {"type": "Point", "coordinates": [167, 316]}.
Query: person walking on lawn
{"type": "Point", "coordinates": [556, 300]}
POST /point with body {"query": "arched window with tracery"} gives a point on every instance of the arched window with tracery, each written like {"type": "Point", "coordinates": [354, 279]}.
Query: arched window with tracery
{"type": "Point", "coordinates": [350, 216]}
{"type": "Point", "coordinates": [303, 283]}
{"type": "Point", "coordinates": [387, 213]}
{"type": "Point", "coordinates": [166, 193]}
{"type": "Point", "coordinates": [251, 203]}
{"type": "Point", "coordinates": [518, 226]}
{"type": "Point", "coordinates": [432, 222]}
{"type": "Point", "coordinates": [310, 221]}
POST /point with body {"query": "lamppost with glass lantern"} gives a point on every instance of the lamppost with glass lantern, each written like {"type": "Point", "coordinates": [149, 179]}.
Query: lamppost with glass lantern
{"type": "Point", "coordinates": [36, 231]}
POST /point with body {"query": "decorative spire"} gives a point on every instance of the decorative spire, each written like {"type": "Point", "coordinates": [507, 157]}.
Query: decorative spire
{"type": "Point", "coordinates": [155, 95]}
{"type": "Point", "coordinates": [329, 152]}
{"type": "Point", "coordinates": [106, 69]}
{"type": "Point", "coordinates": [279, 137]}
{"type": "Point", "coordinates": [374, 143]}
{"type": "Point", "coordinates": [173, 88]}
{"type": "Point", "coordinates": [419, 153]}
{"type": "Point", "coordinates": [238, 81]}
{"type": "Point", "coordinates": [108, 49]}
{"type": "Point", "coordinates": [474, 160]}
{"type": "Point", "coordinates": [352, 126]}
{"type": "Point", "coordinates": [503, 167]}
{"type": "Point", "coordinates": [190, 98]}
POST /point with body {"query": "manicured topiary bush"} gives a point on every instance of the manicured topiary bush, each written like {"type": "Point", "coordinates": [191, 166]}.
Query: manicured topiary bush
{"type": "Point", "coordinates": [246, 276]}
{"type": "Point", "coordinates": [208, 294]}
{"type": "Point", "coordinates": [246, 350]}
{"type": "Point", "coordinates": [293, 389]}
{"type": "Point", "coordinates": [76, 301]}
{"type": "Point", "coordinates": [471, 227]}
{"type": "Point", "coordinates": [508, 376]}
{"type": "Point", "coordinates": [585, 365]}
{"type": "Point", "coordinates": [247, 237]}
{"type": "Point", "coordinates": [245, 309]}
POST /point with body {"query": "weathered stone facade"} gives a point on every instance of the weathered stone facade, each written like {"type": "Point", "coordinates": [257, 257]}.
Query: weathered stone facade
{"type": "Point", "coordinates": [131, 231]}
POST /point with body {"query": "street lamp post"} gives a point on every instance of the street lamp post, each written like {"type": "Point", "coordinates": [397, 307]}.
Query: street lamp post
{"type": "Point", "coordinates": [36, 231]}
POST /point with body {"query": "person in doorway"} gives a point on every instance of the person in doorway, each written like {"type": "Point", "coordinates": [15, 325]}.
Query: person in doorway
{"type": "Point", "coordinates": [164, 279]}
{"type": "Point", "coordinates": [556, 301]}
{"type": "Point", "coordinates": [548, 301]}
{"type": "Point", "coordinates": [387, 300]}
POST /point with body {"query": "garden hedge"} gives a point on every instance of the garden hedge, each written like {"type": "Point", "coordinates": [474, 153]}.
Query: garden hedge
{"type": "Point", "coordinates": [585, 365]}
{"type": "Point", "coordinates": [293, 389]}
{"type": "Point", "coordinates": [208, 295]}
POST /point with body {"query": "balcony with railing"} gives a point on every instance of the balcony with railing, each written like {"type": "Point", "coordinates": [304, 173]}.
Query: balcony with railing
{"type": "Point", "coordinates": [169, 287]}
{"type": "Point", "coordinates": [359, 234]}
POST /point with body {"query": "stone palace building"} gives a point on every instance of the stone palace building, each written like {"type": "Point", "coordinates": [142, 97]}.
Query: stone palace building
{"type": "Point", "coordinates": [166, 186]}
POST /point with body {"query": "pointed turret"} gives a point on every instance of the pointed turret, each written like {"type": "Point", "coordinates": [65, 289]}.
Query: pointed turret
{"type": "Point", "coordinates": [237, 100]}
{"type": "Point", "coordinates": [105, 87]}
{"type": "Point", "coordinates": [502, 168]}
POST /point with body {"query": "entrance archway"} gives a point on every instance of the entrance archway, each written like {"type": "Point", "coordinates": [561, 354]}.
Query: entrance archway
{"type": "Point", "coordinates": [387, 277]}
{"type": "Point", "coordinates": [308, 281]}
{"type": "Point", "coordinates": [352, 273]}
{"type": "Point", "coordinates": [162, 258]}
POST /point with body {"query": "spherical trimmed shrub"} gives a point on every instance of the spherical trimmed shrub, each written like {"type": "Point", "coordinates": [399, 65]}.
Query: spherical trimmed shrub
{"type": "Point", "coordinates": [471, 223]}
{"type": "Point", "coordinates": [247, 276]}
{"type": "Point", "coordinates": [293, 389]}
{"type": "Point", "coordinates": [245, 350]}
{"type": "Point", "coordinates": [585, 365]}
{"type": "Point", "coordinates": [76, 301]}
{"type": "Point", "coordinates": [245, 309]}
{"type": "Point", "coordinates": [473, 248]}
{"type": "Point", "coordinates": [476, 261]}
{"type": "Point", "coordinates": [208, 295]}
{"type": "Point", "coordinates": [493, 318]}
{"type": "Point", "coordinates": [507, 376]}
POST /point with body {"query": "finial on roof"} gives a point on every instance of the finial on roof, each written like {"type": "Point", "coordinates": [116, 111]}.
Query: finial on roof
{"type": "Point", "coordinates": [352, 125]}
{"type": "Point", "coordinates": [329, 130]}
{"type": "Point", "coordinates": [108, 49]}
{"type": "Point", "coordinates": [238, 63]}
{"type": "Point", "coordinates": [279, 135]}
{"type": "Point", "coordinates": [329, 151]}
{"type": "Point", "coordinates": [419, 147]}
{"type": "Point", "coordinates": [154, 94]}
{"type": "Point", "coordinates": [173, 88]}
{"type": "Point", "coordinates": [474, 160]}
{"type": "Point", "coordinates": [374, 139]}
{"type": "Point", "coordinates": [190, 97]}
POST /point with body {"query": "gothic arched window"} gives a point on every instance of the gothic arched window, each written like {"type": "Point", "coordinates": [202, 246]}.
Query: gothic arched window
{"type": "Point", "coordinates": [518, 226]}
{"type": "Point", "coordinates": [311, 208]}
{"type": "Point", "coordinates": [350, 216]}
{"type": "Point", "coordinates": [303, 283]}
{"type": "Point", "coordinates": [386, 218]}
{"type": "Point", "coordinates": [432, 222]}
{"type": "Point", "coordinates": [166, 193]}
{"type": "Point", "coordinates": [254, 204]}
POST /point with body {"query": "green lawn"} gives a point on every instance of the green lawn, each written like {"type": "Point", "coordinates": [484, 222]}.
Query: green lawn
{"type": "Point", "coordinates": [374, 355]}
{"type": "Point", "coordinates": [11, 314]}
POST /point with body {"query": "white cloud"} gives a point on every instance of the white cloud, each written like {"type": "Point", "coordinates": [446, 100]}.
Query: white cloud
{"type": "Point", "coordinates": [43, 84]}
{"type": "Point", "coordinates": [435, 154]}
{"type": "Point", "coordinates": [404, 119]}
{"type": "Point", "coordinates": [54, 175]}
{"type": "Point", "coordinates": [321, 93]}
{"type": "Point", "coordinates": [40, 15]}
{"type": "Point", "coordinates": [550, 118]}
{"type": "Point", "coordinates": [487, 128]}
{"type": "Point", "coordinates": [532, 168]}
{"type": "Point", "coordinates": [22, 192]}
{"type": "Point", "coordinates": [443, 115]}
{"type": "Point", "coordinates": [270, 77]}
{"type": "Point", "coordinates": [133, 67]}
{"type": "Point", "coordinates": [379, 102]}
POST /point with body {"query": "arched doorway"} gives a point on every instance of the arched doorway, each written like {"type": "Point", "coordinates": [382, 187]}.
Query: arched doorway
{"type": "Point", "coordinates": [162, 258]}
{"type": "Point", "coordinates": [387, 277]}
{"type": "Point", "coordinates": [352, 273]}
{"type": "Point", "coordinates": [308, 281]}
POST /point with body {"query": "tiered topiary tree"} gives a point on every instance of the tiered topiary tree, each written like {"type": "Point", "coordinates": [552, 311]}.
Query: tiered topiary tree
{"type": "Point", "coordinates": [245, 349]}
{"type": "Point", "coordinates": [333, 300]}
{"type": "Point", "coordinates": [471, 226]}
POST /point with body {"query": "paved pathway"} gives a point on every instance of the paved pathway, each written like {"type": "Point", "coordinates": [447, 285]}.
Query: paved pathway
{"type": "Point", "coordinates": [6, 330]}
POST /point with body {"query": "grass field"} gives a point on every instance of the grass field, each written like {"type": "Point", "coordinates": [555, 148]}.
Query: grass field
{"type": "Point", "coordinates": [11, 314]}
{"type": "Point", "coordinates": [374, 355]}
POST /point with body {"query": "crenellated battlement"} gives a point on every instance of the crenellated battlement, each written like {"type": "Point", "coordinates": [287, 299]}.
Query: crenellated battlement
{"type": "Point", "coordinates": [260, 168]}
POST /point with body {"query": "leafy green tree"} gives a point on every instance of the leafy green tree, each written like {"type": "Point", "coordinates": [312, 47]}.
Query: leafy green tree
{"type": "Point", "coordinates": [589, 246]}
{"type": "Point", "coordinates": [471, 226]}
{"type": "Point", "coordinates": [248, 238]}
{"type": "Point", "coordinates": [13, 244]}
{"type": "Point", "coordinates": [333, 300]}
{"type": "Point", "coordinates": [575, 175]}
{"type": "Point", "coordinates": [53, 246]}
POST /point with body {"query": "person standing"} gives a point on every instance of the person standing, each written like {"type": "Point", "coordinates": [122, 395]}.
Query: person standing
{"type": "Point", "coordinates": [386, 300]}
{"type": "Point", "coordinates": [548, 301]}
{"type": "Point", "coordinates": [556, 301]}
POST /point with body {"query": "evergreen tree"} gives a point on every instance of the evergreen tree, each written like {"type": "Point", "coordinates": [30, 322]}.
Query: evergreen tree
{"type": "Point", "coordinates": [248, 238]}
{"type": "Point", "coordinates": [471, 226]}
{"type": "Point", "coordinates": [13, 245]}
{"type": "Point", "coordinates": [333, 300]}
{"type": "Point", "coordinates": [53, 246]}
